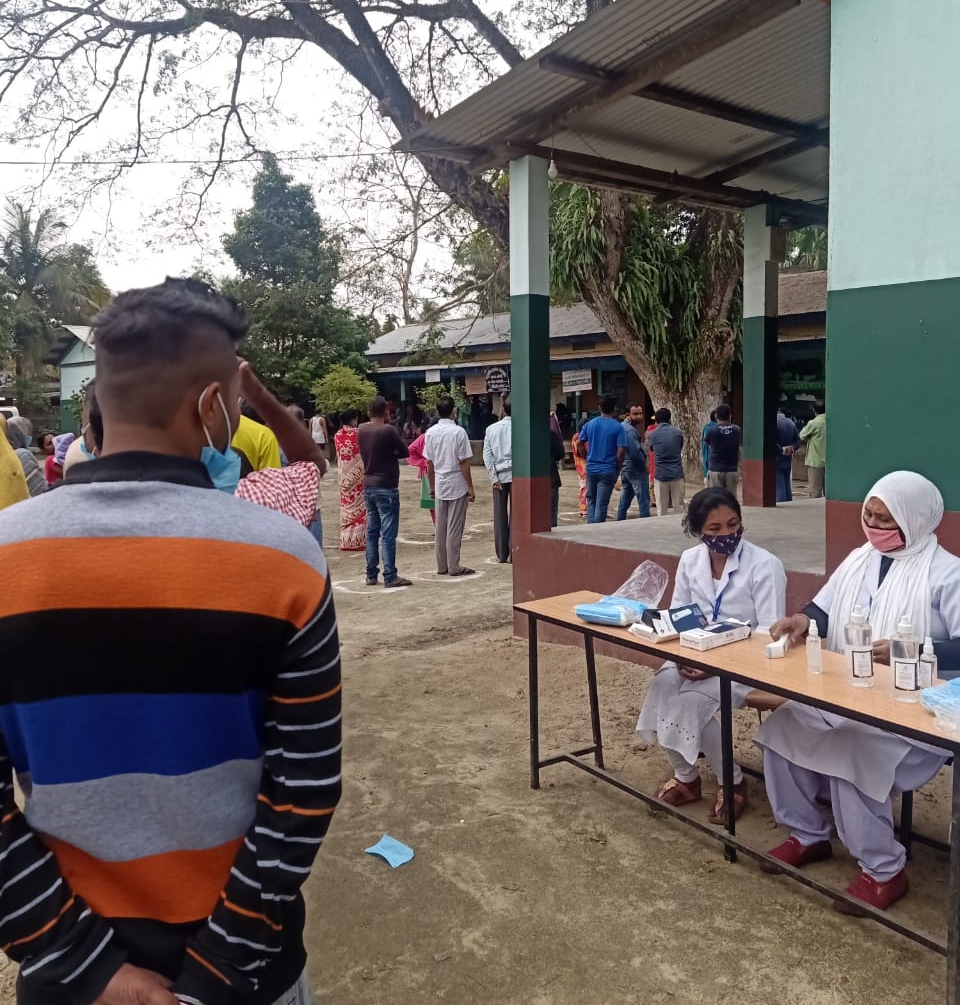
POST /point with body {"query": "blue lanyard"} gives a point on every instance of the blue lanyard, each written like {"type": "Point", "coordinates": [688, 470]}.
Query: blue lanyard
{"type": "Point", "coordinates": [716, 603]}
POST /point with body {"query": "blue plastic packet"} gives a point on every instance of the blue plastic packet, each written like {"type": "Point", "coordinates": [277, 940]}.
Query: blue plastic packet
{"type": "Point", "coordinates": [611, 610]}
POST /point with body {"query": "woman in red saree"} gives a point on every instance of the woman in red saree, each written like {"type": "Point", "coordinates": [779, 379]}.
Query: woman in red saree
{"type": "Point", "coordinates": [353, 512]}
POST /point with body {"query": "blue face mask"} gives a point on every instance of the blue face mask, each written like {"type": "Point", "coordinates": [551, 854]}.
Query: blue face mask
{"type": "Point", "coordinates": [28, 439]}
{"type": "Point", "coordinates": [223, 466]}
{"type": "Point", "coordinates": [84, 449]}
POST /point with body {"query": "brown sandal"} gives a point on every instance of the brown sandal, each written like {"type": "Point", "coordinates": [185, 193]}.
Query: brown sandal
{"type": "Point", "coordinates": [717, 815]}
{"type": "Point", "coordinates": [677, 793]}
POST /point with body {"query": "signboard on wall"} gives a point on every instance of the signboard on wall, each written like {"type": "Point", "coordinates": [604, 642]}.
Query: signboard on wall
{"type": "Point", "coordinates": [432, 376]}
{"type": "Point", "coordinates": [498, 380]}
{"type": "Point", "coordinates": [577, 380]}
{"type": "Point", "coordinates": [476, 384]}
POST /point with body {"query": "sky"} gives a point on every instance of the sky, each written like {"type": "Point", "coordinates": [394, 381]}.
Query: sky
{"type": "Point", "coordinates": [136, 231]}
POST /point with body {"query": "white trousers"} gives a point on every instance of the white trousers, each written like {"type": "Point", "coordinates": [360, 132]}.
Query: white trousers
{"type": "Point", "coordinates": [864, 825]}
{"type": "Point", "coordinates": [710, 742]}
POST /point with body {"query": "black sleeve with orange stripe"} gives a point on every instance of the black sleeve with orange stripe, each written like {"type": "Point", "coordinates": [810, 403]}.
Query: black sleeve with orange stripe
{"type": "Point", "coordinates": [54, 936]}
{"type": "Point", "coordinates": [299, 790]}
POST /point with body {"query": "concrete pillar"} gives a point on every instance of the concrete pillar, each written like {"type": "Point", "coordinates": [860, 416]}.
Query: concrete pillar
{"type": "Point", "coordinates": [894, 278]}
{"type": "Point", "coordinates": [762, 254]}
{"type": "Point", "coordinates": [530, 348]}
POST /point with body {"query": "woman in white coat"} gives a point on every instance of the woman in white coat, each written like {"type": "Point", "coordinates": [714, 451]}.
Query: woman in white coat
{"type": "Point", "coordinates": [809, 754]}
{"type": "Point", "coordinates": [728, 577]}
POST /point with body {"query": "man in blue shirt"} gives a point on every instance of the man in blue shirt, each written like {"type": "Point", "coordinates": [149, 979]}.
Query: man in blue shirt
{"type": "Point", "coordinates": [604, 445]}
{"type": "Point", "coordinates": [788, 443]}
{"type": "Point", "coordinates": [634, 475]}
{"type": "Point", "coordinates": [666, 443]}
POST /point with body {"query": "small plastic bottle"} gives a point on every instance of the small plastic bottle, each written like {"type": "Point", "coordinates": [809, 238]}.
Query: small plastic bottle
{"type": "Point", "coordinates": [858, 647]}
{"type": "Point", "coordinates": [814, 649]}
{"type": "Point", "coordinates": [905, 658]}
{"type": "Point", "coordinates": [928, 665]}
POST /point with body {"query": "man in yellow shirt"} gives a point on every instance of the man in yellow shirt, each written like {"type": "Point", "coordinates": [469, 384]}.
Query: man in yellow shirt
{"type": "Point", "coordinates": [257, 444]}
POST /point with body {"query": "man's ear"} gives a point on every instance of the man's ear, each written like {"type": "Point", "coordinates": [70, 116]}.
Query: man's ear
{"type": "Point", "coordinates": [208, 407]}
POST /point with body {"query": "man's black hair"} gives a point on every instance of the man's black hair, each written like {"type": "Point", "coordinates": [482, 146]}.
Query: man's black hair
{"type": "Point", "coordinates": [723, 413]}
{"type": "Point", "coordinates": [445, 406]}
{"type": "Point", "coordinates": [506, 404]}
{"type": "Point", "coordinates": [155, 344]}
{"type": "Point", "coordinates": [608, 404]}
{"type": "Point", "coordinates": [377, 408]}
{"type": "Point", "coordinates": [663, 415]}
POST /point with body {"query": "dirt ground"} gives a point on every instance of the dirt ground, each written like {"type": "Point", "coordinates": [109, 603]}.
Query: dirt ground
{"type": "Point", "coordinates": [575, 894]}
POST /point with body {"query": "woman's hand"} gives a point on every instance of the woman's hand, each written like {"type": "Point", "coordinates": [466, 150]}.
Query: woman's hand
{"type": "Point", "coordinates": [881, 651]}
{"type": "Point", "coordinates": [795, 626]}
{"type": "Point", "coordinates": [689, 673]}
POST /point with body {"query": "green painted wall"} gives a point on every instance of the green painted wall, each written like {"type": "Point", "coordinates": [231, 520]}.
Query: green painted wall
{"type": "Point", "coordinates": [530, 384]}
{"type": "Point", "coordinates": [894, 141]}
{"type": "Point", "coordinates": [893, 306]}
{"type": "Point", "coordinates": [760, 377]}
{"type": "Point", "coordinates": [893, 355]}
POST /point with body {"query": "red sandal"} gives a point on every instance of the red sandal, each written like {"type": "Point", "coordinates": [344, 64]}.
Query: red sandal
{"type": "Point", "coordinates": [717, 815]}
{"type": "Point", "coordinates": [677, 793]}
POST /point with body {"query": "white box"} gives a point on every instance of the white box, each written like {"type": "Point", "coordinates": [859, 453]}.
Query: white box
{"type": "Point", "coordinates": [714, 636]}
{"type": "Point", "coordinates": [778, 649]}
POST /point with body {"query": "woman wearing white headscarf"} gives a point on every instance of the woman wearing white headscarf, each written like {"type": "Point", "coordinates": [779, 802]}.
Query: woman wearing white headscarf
{"type": "Point", "coordinates": [807, 753]}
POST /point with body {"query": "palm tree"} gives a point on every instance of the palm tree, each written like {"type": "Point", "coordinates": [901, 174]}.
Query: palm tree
{"type": "Point", "coordinates": [48, 281]}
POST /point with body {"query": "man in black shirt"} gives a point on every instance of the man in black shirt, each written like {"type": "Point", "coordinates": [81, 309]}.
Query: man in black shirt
{"type": "Point", "coordinates": [723, 446]}
{"type": "Point", "coordinates": [381, 448]}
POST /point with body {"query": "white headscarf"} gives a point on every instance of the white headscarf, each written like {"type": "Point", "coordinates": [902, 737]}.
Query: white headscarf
{"type": "Point", "coordinates": [917, 506]}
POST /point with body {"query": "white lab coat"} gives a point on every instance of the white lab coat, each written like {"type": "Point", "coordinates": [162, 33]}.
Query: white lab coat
{"type": "Point", "coordinates": [753, 588]}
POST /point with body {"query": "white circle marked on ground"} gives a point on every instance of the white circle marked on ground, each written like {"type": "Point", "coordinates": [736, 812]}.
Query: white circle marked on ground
{"type": "Point", "coordinates": [406, 540]}
{"type": "Point", "coordinates": [493, 560]}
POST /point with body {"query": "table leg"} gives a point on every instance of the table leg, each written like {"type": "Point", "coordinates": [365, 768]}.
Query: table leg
{"type": "Point", "coordinates": [594, 699]}
{"type": "Point", "coordinates": [726, 742]}
{"type": "Point", "coordinates": [953, 916]}
{"type": "Point", "coordinates": [534, 696]}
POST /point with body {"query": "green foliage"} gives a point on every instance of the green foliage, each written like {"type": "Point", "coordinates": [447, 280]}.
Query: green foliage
{"type": "Point", "coordinates": [807, 248]}
{"type": "Point", "coordinates": [667, 261]}
{"type": "Point", "coordinates": [427, 397]}
{"type": "Point", "coordinates": [280, 240]}
{"type": "Point", "coordinates": [482, 273]}
{"type": "Point", "coordinates": [342, 388]}
{"type": "Point", "coordinates": [44, 281]}
{"type": "Point", "coordinates": [289, 265]}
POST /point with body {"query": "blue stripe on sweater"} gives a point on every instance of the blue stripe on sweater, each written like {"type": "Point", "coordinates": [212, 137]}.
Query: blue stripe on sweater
{"type": "Point", "coordinates": [95, 736]}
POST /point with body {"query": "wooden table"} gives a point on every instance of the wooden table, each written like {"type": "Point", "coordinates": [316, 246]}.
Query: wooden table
{"type": "Point", "coordinates": [746, 663]}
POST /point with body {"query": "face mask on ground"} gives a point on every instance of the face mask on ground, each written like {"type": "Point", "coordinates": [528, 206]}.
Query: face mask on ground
{"type": "Point", "coordinates": [722, 544]}
{"type": "Point", "coordinates": [223, 467]}
{"type": "Point", "coordinates": [883, 540]}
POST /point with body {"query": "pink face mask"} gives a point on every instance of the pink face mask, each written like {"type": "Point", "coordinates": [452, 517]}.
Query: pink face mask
{"type": "Point", "coordinates": [883, 540]}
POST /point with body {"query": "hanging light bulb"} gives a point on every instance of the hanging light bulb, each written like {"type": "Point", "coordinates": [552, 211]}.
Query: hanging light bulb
{"type": "Point", "coordinates": [552, 173]}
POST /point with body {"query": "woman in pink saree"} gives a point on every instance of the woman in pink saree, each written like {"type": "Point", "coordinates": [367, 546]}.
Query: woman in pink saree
{"type": "Point", "coordinates": [353, 512]}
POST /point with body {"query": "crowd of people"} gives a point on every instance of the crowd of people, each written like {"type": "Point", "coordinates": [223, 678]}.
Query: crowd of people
{"type": "Point", "coordinates": [642, 462]}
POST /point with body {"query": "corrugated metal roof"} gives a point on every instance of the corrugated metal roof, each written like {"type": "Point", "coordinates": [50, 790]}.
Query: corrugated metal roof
{"type": "Point", "coordinates": [487, 330]}
{"type": "Point", "coordinates": [780, 69]}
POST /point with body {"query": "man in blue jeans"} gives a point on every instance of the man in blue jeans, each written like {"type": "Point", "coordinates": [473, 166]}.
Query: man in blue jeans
{"type": "Point", "coordinates": [604, 445]}
{"type": "Point", "coordinates": [788, 443]}
{"type": "Point", "coordinates": [635, 473]}
{"type": "Point", "coordinates": [382, 448]}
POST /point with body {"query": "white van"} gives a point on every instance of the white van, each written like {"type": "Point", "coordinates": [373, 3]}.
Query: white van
{"type": "Point", "coordinates": [10, 411]}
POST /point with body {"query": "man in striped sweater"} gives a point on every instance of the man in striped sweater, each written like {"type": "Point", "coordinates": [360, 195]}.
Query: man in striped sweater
{"type": "Point", "coordinates": [180, 756]}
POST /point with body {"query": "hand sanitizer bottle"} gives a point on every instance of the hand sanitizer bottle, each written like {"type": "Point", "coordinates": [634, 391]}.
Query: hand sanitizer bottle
{"type": "Point", "coordinates": [858, 647]}
{"type": "Point", "coordinates": [928, 665]}
{"type": "Point", "coordinates": [905, 657]}
{"type": "Point", "coordinates": [814, 650]}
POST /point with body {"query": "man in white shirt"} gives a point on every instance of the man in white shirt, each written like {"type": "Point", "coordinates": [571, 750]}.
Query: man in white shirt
{"type": "Point", "coordinates": [447, 449]}
{"type": "Point", "coordinates": [498, 459]}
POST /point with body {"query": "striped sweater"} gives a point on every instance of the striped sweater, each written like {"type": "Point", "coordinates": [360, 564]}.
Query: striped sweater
{"type": "Point", "coordinates": [180, 755]}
